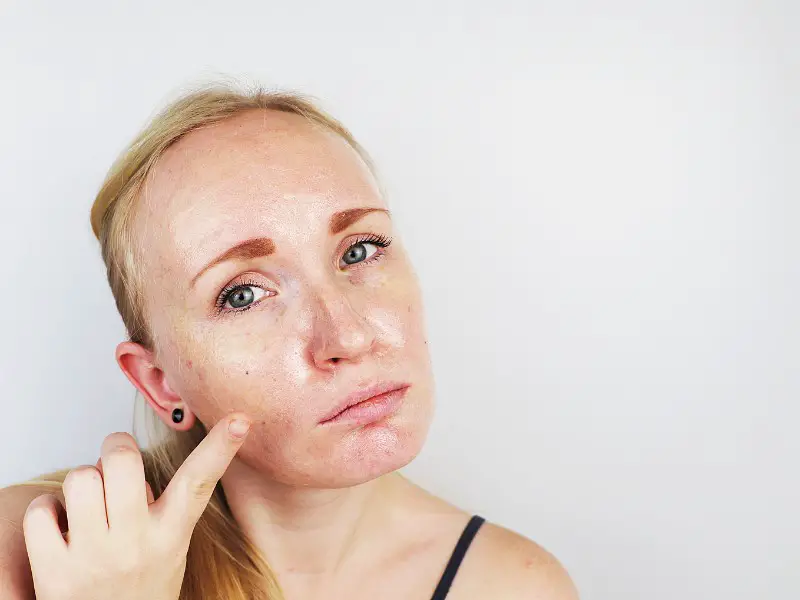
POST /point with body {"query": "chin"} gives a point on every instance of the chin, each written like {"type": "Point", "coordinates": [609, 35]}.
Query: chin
{"type": "Point", "coordinates": [368, 452]}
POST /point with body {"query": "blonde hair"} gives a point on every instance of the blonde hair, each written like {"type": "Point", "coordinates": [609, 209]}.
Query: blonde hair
{"type": "Point", "coordinates": [221, 562]}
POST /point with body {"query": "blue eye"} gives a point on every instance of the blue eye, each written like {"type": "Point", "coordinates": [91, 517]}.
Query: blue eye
{"type": "Point", "coordinates": [241, 296]}
{"type": "Point", "coordinates": [359, 252]}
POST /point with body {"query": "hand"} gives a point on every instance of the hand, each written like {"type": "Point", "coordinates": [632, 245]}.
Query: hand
{"type": "Point", "coordinates": [121, 544]}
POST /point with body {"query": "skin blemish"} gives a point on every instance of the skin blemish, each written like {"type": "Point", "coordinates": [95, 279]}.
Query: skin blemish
{"type": "Point", "coordinates": [317, 339]}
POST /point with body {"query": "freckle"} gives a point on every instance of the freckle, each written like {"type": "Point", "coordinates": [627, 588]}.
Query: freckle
{"type": "Point", "coordinates": [247, 372]}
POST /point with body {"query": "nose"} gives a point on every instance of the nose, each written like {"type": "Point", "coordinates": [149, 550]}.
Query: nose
{"type": "Point", "coordinates": [340, 333]}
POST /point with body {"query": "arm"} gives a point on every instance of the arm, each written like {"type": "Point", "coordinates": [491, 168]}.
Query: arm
{"type": "Point", "coordinates": [15, 570]}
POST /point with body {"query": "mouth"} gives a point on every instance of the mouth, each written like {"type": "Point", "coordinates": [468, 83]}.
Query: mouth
{"type": "Point", "coordinates": [368, 405]}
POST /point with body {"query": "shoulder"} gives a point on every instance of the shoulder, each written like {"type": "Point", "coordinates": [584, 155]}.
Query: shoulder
{"type": "Point", "coordinates": [505, 564]}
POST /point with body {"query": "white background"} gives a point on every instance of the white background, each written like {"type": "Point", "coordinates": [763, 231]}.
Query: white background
{"type": "Point", "coordinates": [601, 200]}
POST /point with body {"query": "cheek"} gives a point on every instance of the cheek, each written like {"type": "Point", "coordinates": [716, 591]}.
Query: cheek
{"type": "Point", "coordinates": [399, 327]}
{"type": "Point", "coordinates": [390, 326]}
{"type": "Point", "coordinates": [252, 372]}
{"type": "Point", "coordinates": [393, 308]}
{"type": "Point", "coordinates": [251, 344]}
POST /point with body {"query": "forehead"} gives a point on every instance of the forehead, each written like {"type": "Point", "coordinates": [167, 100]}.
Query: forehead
{"type": "Point", "coordinates": [260, 173]}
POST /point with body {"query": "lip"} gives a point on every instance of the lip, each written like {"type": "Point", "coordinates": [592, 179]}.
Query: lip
{"type": "Point", "coordinates": [368, 404]}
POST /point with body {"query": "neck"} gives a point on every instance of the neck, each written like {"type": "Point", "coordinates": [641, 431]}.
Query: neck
{"type": "Point", "coordinates": [308, 532]}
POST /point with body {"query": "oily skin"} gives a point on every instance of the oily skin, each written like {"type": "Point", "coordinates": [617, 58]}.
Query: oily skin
{"type": "Point", "coordinates": [323, 504]}
{"type": "Point", "coordinates": [317, 330]}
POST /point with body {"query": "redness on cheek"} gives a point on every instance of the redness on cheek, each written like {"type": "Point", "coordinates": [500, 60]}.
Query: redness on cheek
{"type": "Point", "coordinates": [190, 366]}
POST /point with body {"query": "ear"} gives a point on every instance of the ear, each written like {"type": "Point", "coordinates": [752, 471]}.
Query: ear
{"type": "Point", "coordinates": [136, 362]}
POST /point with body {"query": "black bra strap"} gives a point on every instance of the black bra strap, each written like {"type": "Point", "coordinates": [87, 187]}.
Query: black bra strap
{"type": "Point", "coordinates": [458, 555]}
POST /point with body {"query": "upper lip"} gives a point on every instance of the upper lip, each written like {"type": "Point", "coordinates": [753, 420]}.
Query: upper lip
{"type": "Point", "coordinates": [363, 394]}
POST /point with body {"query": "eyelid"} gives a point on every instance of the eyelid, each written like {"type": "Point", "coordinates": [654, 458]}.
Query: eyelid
{"type": "Point", "coordinates": [356, 237]}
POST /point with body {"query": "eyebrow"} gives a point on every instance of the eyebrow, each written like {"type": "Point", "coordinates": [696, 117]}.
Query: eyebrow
{"type": "Point", "coordinates": [263, 246]}
{"type": "Point", "coordinates": [343, 219]}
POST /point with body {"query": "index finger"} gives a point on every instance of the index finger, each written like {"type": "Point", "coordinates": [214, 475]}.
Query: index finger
{"type": "Point", "coordinates": [190, 489]}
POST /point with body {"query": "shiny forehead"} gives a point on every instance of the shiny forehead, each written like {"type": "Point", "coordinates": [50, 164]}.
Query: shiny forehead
{"type": "Point", "coordinates": [277, 148]}
{"type": "Point", "coordinates": [256, 173]}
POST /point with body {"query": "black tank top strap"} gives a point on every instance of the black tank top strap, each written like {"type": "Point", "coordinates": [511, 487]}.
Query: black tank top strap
{"type": "Point", "coordinates": [458, 555]}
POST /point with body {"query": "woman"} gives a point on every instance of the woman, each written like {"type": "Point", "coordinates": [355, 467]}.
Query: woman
{"type": "Point", "coordinates": [276, 330]}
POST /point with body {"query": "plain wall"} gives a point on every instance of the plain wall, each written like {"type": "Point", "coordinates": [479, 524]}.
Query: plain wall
{"type": "Point", "coordinates": [601, 200]}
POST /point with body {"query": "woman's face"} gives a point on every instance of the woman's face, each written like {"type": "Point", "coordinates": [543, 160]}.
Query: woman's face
{"type": "Point", "coordinates": [312, 311]}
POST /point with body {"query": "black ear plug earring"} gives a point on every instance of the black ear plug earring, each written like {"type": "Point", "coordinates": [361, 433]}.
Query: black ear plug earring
{"type": "Point", "coordinates": [177, 415]}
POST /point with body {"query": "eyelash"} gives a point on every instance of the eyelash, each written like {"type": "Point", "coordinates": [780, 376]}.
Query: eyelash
{"type": "Point", "coordinates": [379, 240]}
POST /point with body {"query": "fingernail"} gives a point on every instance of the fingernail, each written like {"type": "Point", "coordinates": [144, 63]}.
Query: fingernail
{"type": "Point", "coordinates": [239, 427]}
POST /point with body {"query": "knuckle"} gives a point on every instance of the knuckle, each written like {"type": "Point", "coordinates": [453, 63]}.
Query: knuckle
{"type": "Point", "coordinates": [199, 489]}
{"type": "Point", "coordinates": [124, 457]}
{"type": "Point", "coordinates": [202, 489]}
{"type": "Point", "coordinates": [118, 438]}
{"type": "Point", "coordinates": [39, 506]}
{"type": "Point", "coordinates": [115, 440]}
{"type": "Point", "coordinates": [122, 452]}
{"type": "Point", "coordinates": [83, 475]}
{"type": "Point", "coordinates": [40, 501]}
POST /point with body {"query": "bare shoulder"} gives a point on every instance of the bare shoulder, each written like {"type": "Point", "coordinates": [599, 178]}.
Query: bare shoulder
{"type": "Point", "coordinates": [505, 564]}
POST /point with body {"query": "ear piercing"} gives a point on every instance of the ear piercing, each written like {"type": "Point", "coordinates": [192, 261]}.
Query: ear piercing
{"type": "Point", "coordinates": [177, 415]}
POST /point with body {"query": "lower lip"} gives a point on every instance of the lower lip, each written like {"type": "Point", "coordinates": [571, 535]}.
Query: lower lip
{"type": "Point", "coordinates": [371, 410]}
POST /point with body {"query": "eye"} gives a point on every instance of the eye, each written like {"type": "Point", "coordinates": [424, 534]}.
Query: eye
{"type": "Point", "coordinates": [364, 249]}
{"type": "Point", "coordinates": [358, 252]}
{"type": "Point", "coordinates": [241, 296]}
